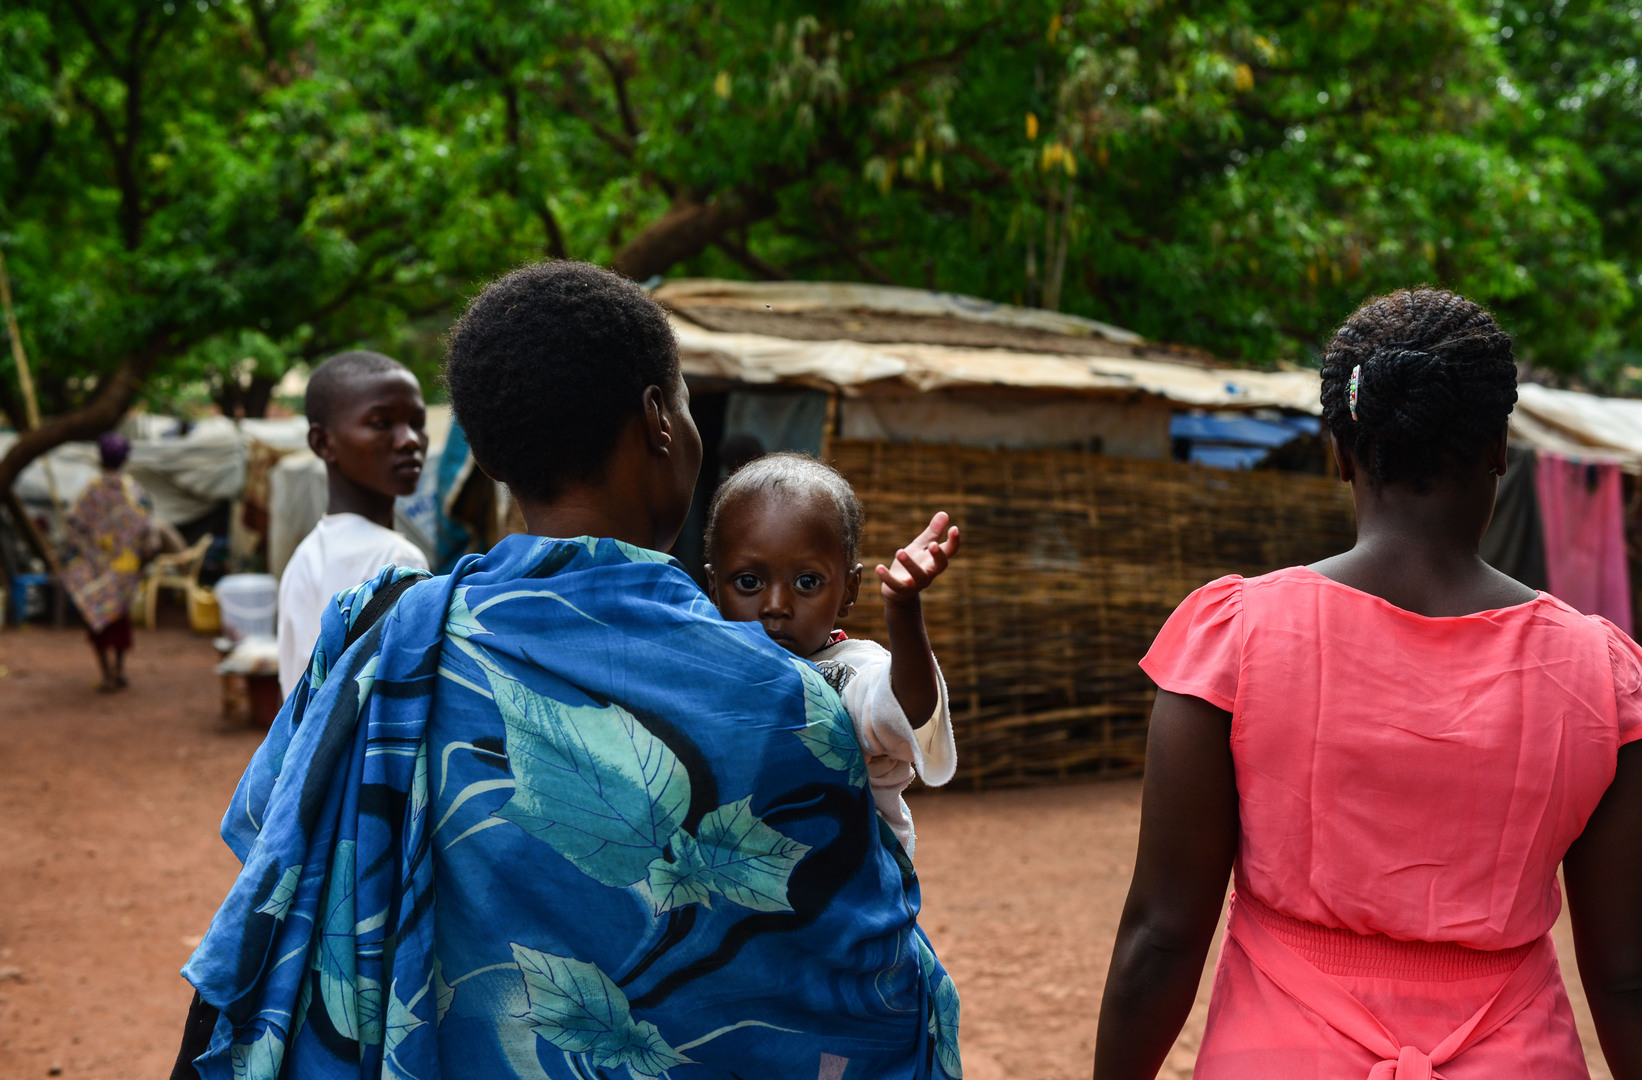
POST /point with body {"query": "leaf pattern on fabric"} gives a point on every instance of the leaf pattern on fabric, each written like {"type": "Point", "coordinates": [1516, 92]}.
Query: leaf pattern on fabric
{"type": "Point", "coordinates": [369, 1007]}
{"type": "Point", "coordinates": [575, 1007]}
{"type": "Point", "coordinates": [334, 959]}
{"type": "Point", "coordinates": [638, 554]}
{"type": "Point", "coordinates": [943, 1011]}
{"type": "Point", "coordinates": [459, 618]}
{"type": "Point", "coordinates": [591, 782]}
{"type": "Point", "coordinates": [643, 637]}
{"type": "Point", "coordinates": [733, 853]}
{"type": "Point", "coordinates": [746, 860]}
{"type": "Point", "coordinates": [827, 730]}
{"type": "Point", "coordinates": [279, 901]}
{"type": "Point", "coordinates": [366, 679]}
{"type": "Point", "coordinates": [259, 1059]}
{"type": "Point", "coordinates": [318, 666]}
{"type": "Point", "coordinates": [674, 884]}
{"type": "Point", "coordinates": [443, 992]}
{"type": "Point", "coordinates": [419, 784]}
{"type": "Point", "coordinates": [401, 1021]}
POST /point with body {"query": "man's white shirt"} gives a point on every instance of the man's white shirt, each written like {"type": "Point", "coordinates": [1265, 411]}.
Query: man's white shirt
{"type": "Point", "coordinates": [342, 551]}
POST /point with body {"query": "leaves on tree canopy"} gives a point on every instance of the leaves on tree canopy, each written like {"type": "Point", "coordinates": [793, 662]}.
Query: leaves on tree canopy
{"type": "Point", "coordinates": [299, 176]}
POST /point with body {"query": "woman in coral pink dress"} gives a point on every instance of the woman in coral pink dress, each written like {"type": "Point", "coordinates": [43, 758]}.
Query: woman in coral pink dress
{"type": "Point", "coordinates": [1391, 752]}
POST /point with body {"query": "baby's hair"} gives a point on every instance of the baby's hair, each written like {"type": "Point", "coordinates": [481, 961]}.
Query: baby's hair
{"type": "Point", "coordinates": [1435, 384]}
{"type": "Point", "coordinates": [333, 373]}
{"type": "Point", "coordinates": [792, 475]}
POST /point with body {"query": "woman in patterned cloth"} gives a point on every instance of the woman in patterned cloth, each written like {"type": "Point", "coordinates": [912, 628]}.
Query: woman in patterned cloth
{"type": "Point", "coordinates": [111, 532]}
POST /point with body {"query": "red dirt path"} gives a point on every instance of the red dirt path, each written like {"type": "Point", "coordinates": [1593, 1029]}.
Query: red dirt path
{"type": "Point", "coordinates": [110, 868]}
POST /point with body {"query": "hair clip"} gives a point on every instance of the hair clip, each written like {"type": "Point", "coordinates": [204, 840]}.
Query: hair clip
{"type": "Point", "coordinates": [1351, 391]}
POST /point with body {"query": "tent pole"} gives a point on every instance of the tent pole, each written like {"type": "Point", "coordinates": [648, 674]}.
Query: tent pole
{"type": "Point", "coordinates": [25, 381]}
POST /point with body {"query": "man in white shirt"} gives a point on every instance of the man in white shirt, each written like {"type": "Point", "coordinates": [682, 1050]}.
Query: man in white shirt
{"type": "Point", "coordinates": [366, 421]}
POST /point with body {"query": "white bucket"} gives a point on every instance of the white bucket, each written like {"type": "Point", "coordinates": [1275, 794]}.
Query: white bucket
{"type": "Point", "coordinates": [248, 603]}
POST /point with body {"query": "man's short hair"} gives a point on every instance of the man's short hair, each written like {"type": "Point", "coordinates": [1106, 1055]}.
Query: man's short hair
{"type": "Point", "coordinates": [333, 373]}
{"type": "Point", "coordinates": [545, 367]}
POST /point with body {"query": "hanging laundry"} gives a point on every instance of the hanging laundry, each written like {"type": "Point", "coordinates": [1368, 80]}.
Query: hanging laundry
{"type": "Point", "coordinates": [1515, 542]}
{"type": "Point", "coordinates": [1583, 514]}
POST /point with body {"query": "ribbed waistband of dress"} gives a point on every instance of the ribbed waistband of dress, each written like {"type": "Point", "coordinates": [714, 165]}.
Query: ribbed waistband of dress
{"type": "Point", "coordinates": [1348, 953]}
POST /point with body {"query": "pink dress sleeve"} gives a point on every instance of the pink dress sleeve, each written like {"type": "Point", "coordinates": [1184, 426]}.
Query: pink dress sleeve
{"type": "Point", "coordinates": [1626, 657]}
{"type": "Point", "coordinates": [1199, 651]}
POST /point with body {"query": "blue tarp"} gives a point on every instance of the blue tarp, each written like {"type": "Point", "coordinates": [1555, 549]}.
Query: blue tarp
{"type": "Point", "coordinates": [1237, 442]}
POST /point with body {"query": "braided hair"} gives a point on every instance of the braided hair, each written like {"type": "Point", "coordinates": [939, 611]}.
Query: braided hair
{"type": "Point", "coordinates": [1435, 385]}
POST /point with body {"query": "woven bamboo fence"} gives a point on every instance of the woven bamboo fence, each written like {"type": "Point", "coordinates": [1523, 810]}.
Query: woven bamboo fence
{"type": "Point", "coordinates": [1071, 562]}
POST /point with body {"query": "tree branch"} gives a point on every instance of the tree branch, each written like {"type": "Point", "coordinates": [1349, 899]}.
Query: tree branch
{"type": "Point", "coordinates": [97, 41]}
{"type": "Point", "coordinates": [29, 163]}
{"type": "Point", "coordinates": [618, 77]}
{"type": "Point", "coordinates": [550, 225]}
{"type": "Point", "coordinates": [113, 397]}
{"type": "Point", "coordinates": [618, 143]}
{"type": "Point", "coordinates": [686, 230]}
{"type": "Point", "coordinates": [952, 55]}
{"type": "Point", "coordinates": [839, 238]}
{"type": "Point", "coordinates": [766, 271]}
{"type": "Point", "coordinates": [11, 407]}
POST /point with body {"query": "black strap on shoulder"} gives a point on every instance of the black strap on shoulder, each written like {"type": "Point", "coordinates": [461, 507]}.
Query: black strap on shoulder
{"type": "Point", "coordinates": [387, 596]}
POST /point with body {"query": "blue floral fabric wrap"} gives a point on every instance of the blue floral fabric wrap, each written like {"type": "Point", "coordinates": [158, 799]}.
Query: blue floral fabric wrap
{"type": "Point", "coordinates": [553, 817]}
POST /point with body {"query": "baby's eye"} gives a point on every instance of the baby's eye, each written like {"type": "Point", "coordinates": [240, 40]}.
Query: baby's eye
{"type": "Point", "coordinates": [746, 582]}
{"type": "Point", "coordinates": [808, 582]}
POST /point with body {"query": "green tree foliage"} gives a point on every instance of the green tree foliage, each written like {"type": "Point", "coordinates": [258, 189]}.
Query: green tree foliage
{"type": "Point", "coordinates": [213, 190]}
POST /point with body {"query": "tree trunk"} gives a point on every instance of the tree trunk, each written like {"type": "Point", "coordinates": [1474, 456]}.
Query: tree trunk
{"type": "Point", "coordinates": [114, 396]}
{"type": "Point", "coordinates": [686, 230]}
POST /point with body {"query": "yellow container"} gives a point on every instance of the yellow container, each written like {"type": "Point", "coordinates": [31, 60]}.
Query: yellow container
{"type": "Point", "coordinates": [204, 616]}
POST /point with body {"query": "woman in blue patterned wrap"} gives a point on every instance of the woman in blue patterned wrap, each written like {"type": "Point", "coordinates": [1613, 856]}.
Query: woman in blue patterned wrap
{"type": "Point", "coordinates": [550, 816]}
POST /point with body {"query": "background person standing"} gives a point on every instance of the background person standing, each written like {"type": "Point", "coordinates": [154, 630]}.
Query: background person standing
{"type": "Point", "coordinates": [367, 423]}
{"type": "Point", "coordinates": [111, 533]}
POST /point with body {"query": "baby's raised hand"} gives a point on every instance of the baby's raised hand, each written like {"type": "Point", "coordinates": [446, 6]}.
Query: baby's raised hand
{"type": "Point", "coordinates": [921, 561]}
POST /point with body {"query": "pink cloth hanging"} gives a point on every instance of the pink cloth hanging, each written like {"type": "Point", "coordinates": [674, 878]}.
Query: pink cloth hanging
{"type": "Point", "coordinates": [1583, 514]}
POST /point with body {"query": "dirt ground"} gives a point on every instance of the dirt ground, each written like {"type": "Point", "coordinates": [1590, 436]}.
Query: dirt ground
{"type": "Point", "coordinates": [103, 895]}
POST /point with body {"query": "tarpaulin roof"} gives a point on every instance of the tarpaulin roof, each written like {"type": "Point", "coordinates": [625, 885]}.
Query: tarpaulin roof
{"type": "Point", "coordinates": [799, 305]}
{"type": "Point", "coordinates": [186, 476]}
{"type": "Point", "coordinates": [872, 339]}
{"type": "Point", "coordinates": [1579, 425]}
{"type": "Point", "coordinates": [859, 367]}
{"type": "Point", "coordinates": [875, 339]}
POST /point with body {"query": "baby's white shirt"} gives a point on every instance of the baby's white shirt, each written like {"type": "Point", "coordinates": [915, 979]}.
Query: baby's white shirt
{"type": "Point", "coordinates": [895, 751]}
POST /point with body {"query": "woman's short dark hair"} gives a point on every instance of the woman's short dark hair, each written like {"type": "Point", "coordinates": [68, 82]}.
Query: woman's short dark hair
{"type": "Point", "coordinates": [1436, 384]}
{"type": "Point", "coordinates": [545, 366]}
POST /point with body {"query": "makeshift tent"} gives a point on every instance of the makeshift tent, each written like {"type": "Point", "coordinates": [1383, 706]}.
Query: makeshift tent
{"type": "Point", "coordinates": [257, 476]}
{"type": "Point", "coordinates": [1049, 439]}
{"type": "Point", "coordinates": [188, 477]}
{"type": "Point", "coordinates": [1579, 425]}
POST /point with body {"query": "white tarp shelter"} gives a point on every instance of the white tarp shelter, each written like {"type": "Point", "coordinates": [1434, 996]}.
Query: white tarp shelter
{"type": "Point", "coordinates": [190, 476]}
{"type": "Point", "coordinates": [1579, 425]}
{"type": "Point", "coordinates": [910, 365]}
{"type": "Point", "coordinates": [914, 365]}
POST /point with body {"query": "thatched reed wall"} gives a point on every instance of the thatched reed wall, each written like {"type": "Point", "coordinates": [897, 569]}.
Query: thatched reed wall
{"type": "Point", "coordinates": [1071, 562]}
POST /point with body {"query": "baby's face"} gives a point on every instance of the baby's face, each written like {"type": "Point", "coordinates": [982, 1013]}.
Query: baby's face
{"type": "Point", "coordinates": [781, 564]}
